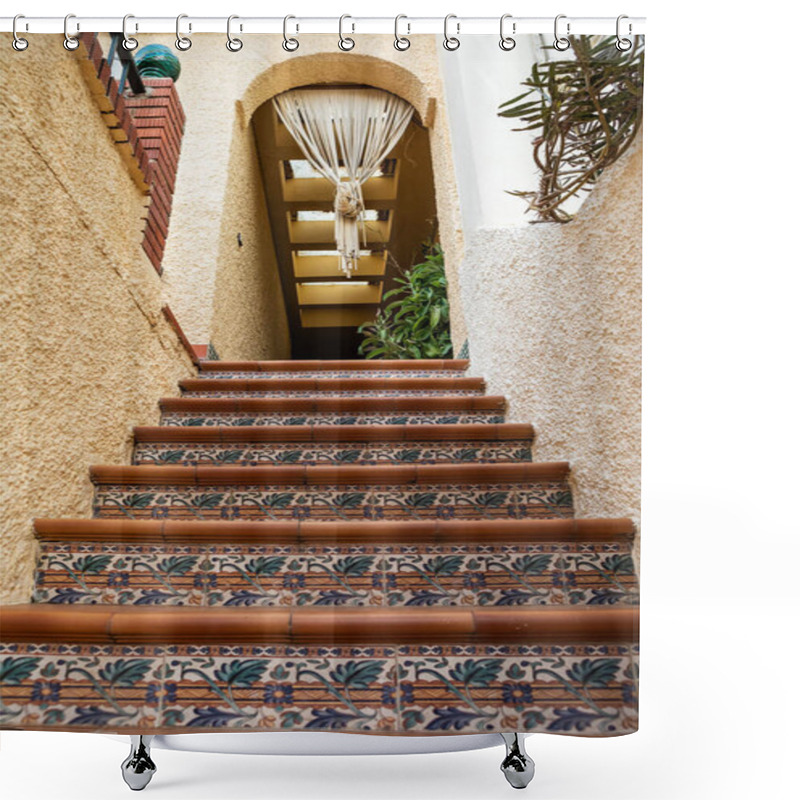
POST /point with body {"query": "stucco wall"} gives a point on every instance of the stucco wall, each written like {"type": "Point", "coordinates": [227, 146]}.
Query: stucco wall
{"type": "Point", "coordinates": [249, 318]}
{"type": "Point", "coordinates": [86, 351]}
{"type": "Point", "coordinates": [554, 315]}
{"type": "Point", "coordinates": [220, 91]}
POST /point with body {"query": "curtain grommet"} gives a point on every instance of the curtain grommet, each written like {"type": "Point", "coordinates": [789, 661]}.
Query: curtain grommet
{"type": "Point", "coordinates": [129, 43]}
{"type": "Point", "coordinates": [233, 44]}
{"type": "Point", "coordinates": [451, 43]}
{"type": "Point", "coordinates": [346, 43]}
{"type": "Point", "coordinates": [507, 43]}
{"type": "Point", "coordinates": [401, 43]}
{"type": "Point", "coordinates": [289, 43]}
{"type": "Point", "coordinates": [623, 43]}
{"type": "Point", "coordinates": [183, 43]}
{"type": "Point", "coordinates": [18, 43]}
{"type": "Point", "coordinates": [561, 43]}
{"type": "Point", "coordinates": [71, 43]}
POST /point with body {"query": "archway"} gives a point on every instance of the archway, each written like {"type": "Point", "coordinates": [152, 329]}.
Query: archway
{"type": "Point", "coordinates": [323, 309]}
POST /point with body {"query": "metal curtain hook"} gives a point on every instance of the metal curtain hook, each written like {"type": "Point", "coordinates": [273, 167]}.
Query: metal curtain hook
{"type": "Point", "coordinates": [70, 42]}
{"type": "Point", "coordinates": [507, 42]}
{"type": "Point", "coordinates": [451, 42]}
{"type": "Point", "coordinates": [345, 42]}
{"type": "Point", "coordinates": [623, 44]}
{"type": "Point", "coordinates": [128, 42]}
{"type": "Point", "coordinates": [182, 42]}
{"type": "Point", "coordinates": [19, 44]}
{"type": "Point", "coordinates": [400, 42]}
{"type": "Point", "coordinates": [233, 44]}
{"type": "Point", "coordinates": [289, 44]}
{"type": "Point", "coordinates": [561, 42]}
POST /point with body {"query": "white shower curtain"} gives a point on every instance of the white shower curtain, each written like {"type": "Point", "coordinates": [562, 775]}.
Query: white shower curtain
{"type": "Point", "coordinates": [358, 127]}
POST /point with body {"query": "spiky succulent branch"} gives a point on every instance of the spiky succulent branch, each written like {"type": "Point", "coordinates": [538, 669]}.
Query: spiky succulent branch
{"type": "Point", "coordinates": [586, 111]}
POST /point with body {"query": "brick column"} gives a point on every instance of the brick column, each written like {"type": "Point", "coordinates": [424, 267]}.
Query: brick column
{"type": "Point", "coordinates": [158, 120]}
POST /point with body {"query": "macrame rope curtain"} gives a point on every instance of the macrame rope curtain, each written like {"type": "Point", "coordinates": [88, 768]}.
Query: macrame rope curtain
{"type": "Point", "coordinates": [358, 127]}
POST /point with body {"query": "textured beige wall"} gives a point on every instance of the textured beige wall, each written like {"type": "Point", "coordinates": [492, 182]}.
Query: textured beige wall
{"type": "Point", "coordinates": [85, 350]}
{"type": "Point", "coordinates": [249, 317]}
{"type": "Point", "coordinates": [220, 91]}
{"type": "Point", "coordinates": [554, 314]}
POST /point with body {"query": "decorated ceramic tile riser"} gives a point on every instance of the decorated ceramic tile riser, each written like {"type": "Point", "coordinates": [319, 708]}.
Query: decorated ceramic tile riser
{"type": "Point", "coordinates": [285, 576]}
{"type": "Point", "coordinates": [81, 687]}
{"type": "Point", "coordinates": [338, 393]}
{"type": "Point", "coordinates": [141, 574]}
{"type": "Point", "coordinates": [280, 454]}
{"type": "Point", "coordinates": [599, 573]}
{"type": "Point", "coordinates": [583, 690]}
{"type": "Point", "coordinates": [586, 690]}
{"type": "Point", "coordinates": [281, 688]}
{"type": "Point", "coordinates": [372, 374]}
{"type": "Point", "coordinates": [546, 499]}
{"type": "Point", "coordinates": [323, 418]}
{"type": "Point", "coordinates": [479, 575]}
{"type": "Point", "coordinates": [419, 575]}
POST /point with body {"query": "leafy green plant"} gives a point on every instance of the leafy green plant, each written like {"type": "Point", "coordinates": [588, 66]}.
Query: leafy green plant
{"type": "Point", "coordinates": [587, 111]}
{"type": "Point", "coordinates": [417, 323]}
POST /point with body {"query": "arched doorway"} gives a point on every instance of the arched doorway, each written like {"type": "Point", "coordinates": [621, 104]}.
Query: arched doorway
{"type": "Point", "coordinates": [323, 308]}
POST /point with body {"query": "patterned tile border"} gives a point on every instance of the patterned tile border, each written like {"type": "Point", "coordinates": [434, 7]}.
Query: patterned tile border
{"type": "Point", "coordinates": [278, 453]}
{"type": "Point", "coordinates": [542, 500]}
{"type": "Point", "coordinates": [326, 418]}
{"type": "Point", "coordinates": [493, 574]}
{"type": "Point", "coordinates": [337, 393]}
{"type": "Point", "coordinates": [586, 690]}
{"type": "Point", "coordinates": [322, 374]}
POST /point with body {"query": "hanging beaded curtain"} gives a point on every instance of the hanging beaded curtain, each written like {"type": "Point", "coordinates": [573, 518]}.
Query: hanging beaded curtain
{"type": "Point", "coordinates": [357, 127]}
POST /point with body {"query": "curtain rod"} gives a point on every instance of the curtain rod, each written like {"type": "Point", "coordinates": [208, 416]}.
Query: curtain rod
{"type": "Point", "coordinates": [461, 26]}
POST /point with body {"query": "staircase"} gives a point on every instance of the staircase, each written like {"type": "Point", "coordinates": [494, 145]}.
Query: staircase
{"type": "Point", "coordinates": [353, 546]}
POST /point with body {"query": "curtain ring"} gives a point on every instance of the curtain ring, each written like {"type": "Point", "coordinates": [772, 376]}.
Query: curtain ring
{"type": "Point", "coordinates": [450, 42]}
{"type": "Point", "coordinates": [623, 45]}
{"type": "Point", "coordinates": [561, 43]}
{"type": "Point", "coordinates": [128, 42]}
{"type": "Point", "coordinates": [400, 42]}
{"type": "Point", "coordinates": [182, 42]}
{"type": "Point", "coordinates": [345, 42]}
{"type": "Point", "coordinates": [507, 42]}
{"type": "Point", "coordinates": [233, 44]}
{"type": "Point", "coordinates": [70, 42]}
{"type": "Point", "coordinates": [19, 44]}
{"type": "Point", "coordinates": [289, 44]}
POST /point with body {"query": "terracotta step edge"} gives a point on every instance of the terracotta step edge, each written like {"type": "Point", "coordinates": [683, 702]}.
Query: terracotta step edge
{"type": "Point", "coordinates": [304, 532]}
{"type": "Point", "coordinates": [184, 624]}
{"type": "Point", "coordinates": [420, 365]}
{"type": "Point", "coordinates": [365, 475]}
{"type": "Point", "coordinates": [332, 433]}
{"type": "Point", "coordinates": [335, 403]}
{"type": "Point", "coordinates": [328, 384]}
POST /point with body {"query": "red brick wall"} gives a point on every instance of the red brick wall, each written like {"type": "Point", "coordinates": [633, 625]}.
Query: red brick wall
{"type": "Point", "coordinates": [147, 131]}
{"type": "Point", "coordinates": [158, 121]}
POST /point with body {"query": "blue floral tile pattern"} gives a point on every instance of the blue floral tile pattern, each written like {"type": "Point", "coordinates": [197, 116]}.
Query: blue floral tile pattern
{"type": "Point", "coordinates": [545, 499]}
{"type": "Point", "coordinates": [80, 687]}
{"type": "Point", "coordinates": [280, 454]}
{"type": "Point", "coordinates": [185, 418]}
{"type": "Point", "coordinates": [586, 690]}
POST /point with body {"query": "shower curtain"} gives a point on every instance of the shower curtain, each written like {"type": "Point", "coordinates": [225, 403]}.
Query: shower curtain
{"type": "Point", "coordinates": [322, 403]}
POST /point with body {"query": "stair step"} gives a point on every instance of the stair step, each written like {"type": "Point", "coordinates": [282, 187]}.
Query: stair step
{"type": "Point", "coordinates": [393, 492]}
{"type": "Point", "coordinates": [186, 624]}
{"type": "Point", "coordinates": [342, 387]}
{"type": "Point", "coordinates": [452, 573]}
{"type": "Point", "coordinates": [305, 532]}
{"type": "Point", "coordinates": [332, 410]}
{"type": "Point", "coordinates": [320, 444]}
{"type": "Point", "coordinates": [415, 367]}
